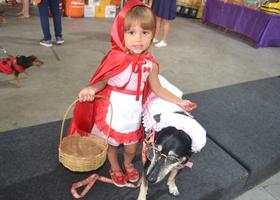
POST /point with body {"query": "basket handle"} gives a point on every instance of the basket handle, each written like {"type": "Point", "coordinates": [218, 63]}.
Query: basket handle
{"type": "Point", "coordinates": [71, 105]}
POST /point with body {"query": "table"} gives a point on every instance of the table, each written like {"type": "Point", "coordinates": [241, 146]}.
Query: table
{"type": "Point", "coordinates": [261, 27]}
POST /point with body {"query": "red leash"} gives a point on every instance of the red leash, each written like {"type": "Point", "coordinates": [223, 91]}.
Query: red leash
{"type": "Point", "coordinates": [89, 182]}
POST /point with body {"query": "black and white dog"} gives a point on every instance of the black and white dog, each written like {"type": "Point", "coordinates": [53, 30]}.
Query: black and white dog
{"type": "Point", "coordinates": [175, 136]}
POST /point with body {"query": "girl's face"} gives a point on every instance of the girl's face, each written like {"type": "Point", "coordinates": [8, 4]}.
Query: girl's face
{"type": "Point", "coordinates": [136, 39]}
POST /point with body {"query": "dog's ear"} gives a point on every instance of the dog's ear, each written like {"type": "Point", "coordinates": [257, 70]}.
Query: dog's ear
{"type": "Point", "coordinates": [157, 117]}
{"type": "Point", "coordinates": [31, 58]}
{"type": "Point", "coordinates": [25, 61]}
{"type": "Point", "coordinates": [21, 60]}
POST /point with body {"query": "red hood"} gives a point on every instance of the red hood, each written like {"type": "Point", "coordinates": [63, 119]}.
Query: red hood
{"type": "Point", "coordinates": [117, 59]}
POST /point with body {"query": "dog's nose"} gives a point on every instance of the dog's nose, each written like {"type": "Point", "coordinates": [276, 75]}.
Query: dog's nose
{"type": "Point", "coordinates": [151, 178]}
{"type": "Point", "coordinates": [154, 173]}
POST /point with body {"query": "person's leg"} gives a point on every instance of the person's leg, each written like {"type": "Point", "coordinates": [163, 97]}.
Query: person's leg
{"type": "Point", "coordinates": [21, 9]}
{"type": "Point", "coordinates": [25, 9]}
{"type": "Point", "coordinates": [158, 22]}
{"type": "Point", "coordinates": [166, 28]}
{"type": "Point", "coordinates": [129, 153]}
{"type": "Point", "coordinates": [54, 5]}
{"type": "Point", "coordinates": [116, 172]}
{"type": "Point", "coordinates": [130, 171]}
{"type": "Point", "coordinates": [113, 158]}
{"type": "Point", "coordinates": [44, 18]}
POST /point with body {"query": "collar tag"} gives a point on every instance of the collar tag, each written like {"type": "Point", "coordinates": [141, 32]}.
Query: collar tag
{"type": "Point", "coordinates": [189, 164]}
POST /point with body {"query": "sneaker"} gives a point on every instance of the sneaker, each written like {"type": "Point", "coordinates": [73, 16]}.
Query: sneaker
{"type": "Point", "coordinates": [131, 173]}
{"type": "Point", "coordinates": [162, 43]}
{"type": "Point", "coordinates": [46, 43]}
{"type": "Point", "coordinates": [59, 40]}
{"type": "Point", "coordinates": [118, 178]}
{"type": "Point", "coordinates": [155, 40]}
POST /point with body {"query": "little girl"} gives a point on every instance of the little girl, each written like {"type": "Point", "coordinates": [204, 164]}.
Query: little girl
{"type": "Point", "coordinates": [126, 76]}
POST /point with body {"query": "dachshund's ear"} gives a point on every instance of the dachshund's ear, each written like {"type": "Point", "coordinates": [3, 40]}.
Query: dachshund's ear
{"type": "Point", "coordinates": [20, 59]}
{"type": "Point", "coordinates": [157, 117]}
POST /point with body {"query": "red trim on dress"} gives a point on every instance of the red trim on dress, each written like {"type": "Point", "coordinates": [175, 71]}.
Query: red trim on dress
{"type": "Point", "coordinates": [100, 121]}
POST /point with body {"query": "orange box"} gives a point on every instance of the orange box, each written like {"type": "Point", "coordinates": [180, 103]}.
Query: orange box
{"type": "Point", "coordinates": [116, 3]}
{"type": "Point", "coordinates": [100, 11]}
{"type": "Point", "coordinates": [105, 2]}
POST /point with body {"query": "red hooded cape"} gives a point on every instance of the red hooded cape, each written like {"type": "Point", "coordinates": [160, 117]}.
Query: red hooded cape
{"type": "Point", "coordinates": [116, 61]}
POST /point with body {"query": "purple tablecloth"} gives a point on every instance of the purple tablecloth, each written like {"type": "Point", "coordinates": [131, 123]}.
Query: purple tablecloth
{"type": "Point", "coordinates": [261, 27]}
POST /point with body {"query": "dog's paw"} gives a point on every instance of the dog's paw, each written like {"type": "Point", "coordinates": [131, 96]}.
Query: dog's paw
{"type": "Point", "coordinates": [141, 198]}
{"type": "Point", "coordinates": [174, 191]}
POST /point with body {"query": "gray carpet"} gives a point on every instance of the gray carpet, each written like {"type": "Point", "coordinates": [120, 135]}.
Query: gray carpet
{"type": "Point", "coordinates": [242, 149]}
{"type": "Point", "coordinates": [244, 120]}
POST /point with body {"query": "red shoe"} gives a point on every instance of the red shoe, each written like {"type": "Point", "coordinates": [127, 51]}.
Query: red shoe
{"type": "Point", "coordinates": [118, 180]}
{"type": "Point", "coordinates": [131, 173]}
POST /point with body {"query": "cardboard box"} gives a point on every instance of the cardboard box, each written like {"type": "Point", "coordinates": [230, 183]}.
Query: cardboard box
{"type": "Point", "coordinates": [94, 2]}
{"type": "Point", "coordinates": [110, 11]}
{"type": "Point", "coordinates": [116, 3]}
{"type": "Point", "coordinates": [105, 2]}
{"type": "Point", "coordinates": [89, 11]}
{"type": "Point", "coordinates": [100, 11]}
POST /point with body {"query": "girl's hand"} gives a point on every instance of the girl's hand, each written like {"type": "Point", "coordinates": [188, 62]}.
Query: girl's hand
{"type": "Point", "coordinates": [86, 94]}
{"type": "Point", "coordinates": [187, 105]}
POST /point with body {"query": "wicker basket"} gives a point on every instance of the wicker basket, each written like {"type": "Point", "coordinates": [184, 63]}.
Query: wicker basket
{"type": "Point", "coordinates": [83, 153]}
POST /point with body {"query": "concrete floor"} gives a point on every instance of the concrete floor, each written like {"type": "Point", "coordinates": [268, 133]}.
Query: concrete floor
{"type": "Point", "coordinates": [198, 57]}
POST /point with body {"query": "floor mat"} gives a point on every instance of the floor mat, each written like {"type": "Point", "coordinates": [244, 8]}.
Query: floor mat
{"type": "Point", "coordinates": [244, 120]}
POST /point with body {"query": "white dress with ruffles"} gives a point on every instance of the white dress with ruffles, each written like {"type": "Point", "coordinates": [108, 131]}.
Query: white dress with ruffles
{"type": "Point", "coordinates": [121, 90]}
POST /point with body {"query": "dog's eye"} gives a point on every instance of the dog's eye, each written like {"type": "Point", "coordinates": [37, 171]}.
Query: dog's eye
{"type": "Point", "coordinates": [152, 152]}
{"type": "Point", "coordinates": [157, 153]}
{"type": "Point", "coordinates": [172, 159]}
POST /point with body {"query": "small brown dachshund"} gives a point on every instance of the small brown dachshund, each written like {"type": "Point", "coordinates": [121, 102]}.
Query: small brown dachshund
{"type": "Point", "coordinates": [16, 65]}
